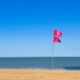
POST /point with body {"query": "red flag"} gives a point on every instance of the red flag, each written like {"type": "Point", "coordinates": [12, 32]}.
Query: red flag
{"type": "Point", "coordinates": [56, 40]}
{"type": "Point", "coordinates": [57, 33]}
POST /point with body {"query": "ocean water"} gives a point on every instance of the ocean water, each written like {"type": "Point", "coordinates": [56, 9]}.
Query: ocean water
{"type": "Point", "coordinates": [40, 63]}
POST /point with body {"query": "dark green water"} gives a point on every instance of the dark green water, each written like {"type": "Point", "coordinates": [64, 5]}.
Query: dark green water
{"type": "Point", "coordinates": [40, 62]}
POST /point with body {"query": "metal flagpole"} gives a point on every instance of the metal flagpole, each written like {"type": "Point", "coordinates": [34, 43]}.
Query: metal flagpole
{"type": "Point", "coordinates": [52, 51]}
{"type": "Point", "coordinates": [55, 39]}
{"type": "Point", "coordinates": [52, 55]}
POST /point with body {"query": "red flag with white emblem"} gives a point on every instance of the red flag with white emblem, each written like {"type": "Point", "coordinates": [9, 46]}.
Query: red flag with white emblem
{"type": "Point", "coordinates": [56, 40]}
{"type": "Point", "coordinates": [57, 35]}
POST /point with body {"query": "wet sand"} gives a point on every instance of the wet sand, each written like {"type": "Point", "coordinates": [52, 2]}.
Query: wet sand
{"type": "Point", "coordinates": [25, 74]}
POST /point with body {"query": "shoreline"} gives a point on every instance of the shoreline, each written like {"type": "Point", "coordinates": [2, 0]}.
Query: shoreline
{"type": "Point", "coordinates": [31, 69]}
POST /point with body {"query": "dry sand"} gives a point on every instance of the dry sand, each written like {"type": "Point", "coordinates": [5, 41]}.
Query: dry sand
{"type": "Point", "coordinates": [24, 74]}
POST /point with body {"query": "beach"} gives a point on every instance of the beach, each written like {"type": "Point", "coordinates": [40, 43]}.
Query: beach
{"type": "Point", "coordinates": [32, 74]}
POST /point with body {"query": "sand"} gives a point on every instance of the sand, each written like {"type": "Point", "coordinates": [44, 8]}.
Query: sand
{"type": "Point", "coordinates": [24, 74]}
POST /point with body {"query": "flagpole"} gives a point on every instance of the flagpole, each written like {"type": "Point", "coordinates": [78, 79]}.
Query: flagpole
{"type": "Point", "coordinates": [52, 52]}
{"type": "Point", "coordinates": [55, 39]}
{"type": "Point", "coordinates": [52, 55]}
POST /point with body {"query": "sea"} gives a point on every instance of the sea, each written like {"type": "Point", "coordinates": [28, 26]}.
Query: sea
{"type": "Point", "coordinates": [71, 63]}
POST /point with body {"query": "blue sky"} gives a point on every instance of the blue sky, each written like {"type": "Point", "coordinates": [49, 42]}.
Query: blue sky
{"type": "Point", "coordinates": [26, 27]}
